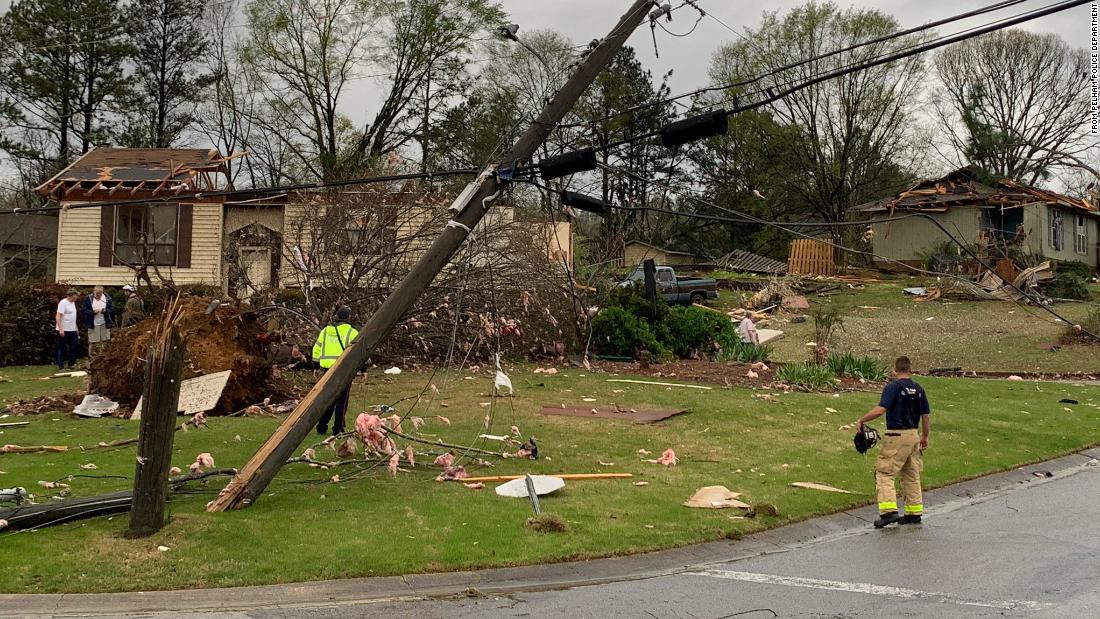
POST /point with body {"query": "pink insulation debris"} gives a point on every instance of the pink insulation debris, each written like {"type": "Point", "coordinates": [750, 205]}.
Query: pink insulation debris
{"type": "Point", "coordinates": [668, 458]}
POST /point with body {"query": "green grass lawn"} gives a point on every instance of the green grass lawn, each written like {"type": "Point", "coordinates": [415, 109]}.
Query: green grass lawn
{"type": "Point", "coordinates": [973, 335]}
{"type": "Point", "coordinates": [304, 528]}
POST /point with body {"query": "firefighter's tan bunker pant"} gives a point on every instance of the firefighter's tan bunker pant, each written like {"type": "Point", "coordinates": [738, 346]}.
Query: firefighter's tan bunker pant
{"type": "Point", "coordinates": [900, 454]}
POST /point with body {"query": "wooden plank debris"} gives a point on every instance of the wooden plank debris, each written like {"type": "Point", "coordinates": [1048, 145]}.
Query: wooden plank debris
{"type": "Point", "coordinates": [658, 384]}
{"type": "Point", "coordinates": [565, 476]}
{"type": "Point", "coordinates": [809, 485]}
{"type": "Point", "coordinates": [639, 415]}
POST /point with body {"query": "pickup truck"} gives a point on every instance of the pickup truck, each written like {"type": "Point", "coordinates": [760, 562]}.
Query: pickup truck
{"type": "Point", "coordinates": [675, 289]}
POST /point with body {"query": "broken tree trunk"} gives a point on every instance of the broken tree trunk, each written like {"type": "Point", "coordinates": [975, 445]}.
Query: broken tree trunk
{"type": "Point", "coordinates": [468, 209]}
{"type": "Point", "coordinates": [160, 401]}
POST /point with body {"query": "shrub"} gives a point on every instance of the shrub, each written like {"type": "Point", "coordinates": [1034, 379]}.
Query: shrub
{"type": "Point", "coordinates": [688, 329]}
{"type": "Point", "coordinates": [27, 311]}
{"type": "Point", "coordinates": [616, 331]}
{"type": "Point", "coordinates": [808, 375]}
{"type": "Point", "coordinates": [852, 366]}
{"type": "Point", "coordinates": [733, 349]}
{"type": "Point", "coordinates": [1070, 281]}
{"type": "Point", "coordinates": [632, 299]}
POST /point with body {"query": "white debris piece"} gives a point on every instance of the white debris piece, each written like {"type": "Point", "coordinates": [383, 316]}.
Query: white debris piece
{"type": "Point", "coordinates": [95, 406]}
{"type": "Point", "coordinates": [517, 488]}
{"type": "Point", "coordinates": [393, 371]}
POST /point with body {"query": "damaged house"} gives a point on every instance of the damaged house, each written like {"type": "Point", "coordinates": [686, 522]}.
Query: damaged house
{"type": "Point", "coordinates": [244, 243]}
{"type": "Point", "coordinates": [1036, 221]}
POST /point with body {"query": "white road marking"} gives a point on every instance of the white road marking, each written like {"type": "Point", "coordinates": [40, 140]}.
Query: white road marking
{"type": "Point", "coordinates": [866, 588]}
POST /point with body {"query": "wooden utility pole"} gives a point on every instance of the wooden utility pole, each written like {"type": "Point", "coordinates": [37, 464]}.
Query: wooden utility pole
{"type": "Point", "coordinates": [468, 209]}
{"type": "Point", "coordinates": [160, 402]}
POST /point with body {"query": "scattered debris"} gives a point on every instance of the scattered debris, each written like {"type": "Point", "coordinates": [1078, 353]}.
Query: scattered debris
{"type": "Point", "coordinates": [815, 486]}
{"type": "Point", "coordinates": [565, 476]}
{"type": "Point", "coordinates": [163, 548]}
{"type": "Point", "coordinates": [715, 497]}
{"type": "Point", "coordinates": [88, 467]}
{"type": "Point", "coordinates": [517, 488]}
{"type": "Point", "coordinates": [668, 458]}
{"type": "Point", "coordinates": [95, 406]}
{"type": "Point", "coordinates": [392, 371]}
{"type": "Point", "coordinates": [44, 404]}
{"type": "Point", "coordinates": [14, 424]}
{"type": "Point", "coordinates": [795, 302]}
{"type": "Point", "coordinates": [70, 374]}
{"type": "Point", "coordinates": [1068, 401]}
{"type": "Point", "coordinates": [769, 335]}
{"type": "Point", "coordinates": [1015, 377]}
{"type": "Point", "coordinates": [16, 449]}
{"type": "Point", "coordinates": [644, 415]}
{"type": "Point", "coordinates": [197, 395]}
{"type": "Point", "coordinates": [641, 483]}
{"type": "Point", "coordinates": [650, 382]}
{"type": "Point", "coordinates": [915, 291]}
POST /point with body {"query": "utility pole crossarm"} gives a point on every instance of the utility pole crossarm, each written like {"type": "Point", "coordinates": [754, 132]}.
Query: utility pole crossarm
{"type": "Point", "coordinates": [254, 477]}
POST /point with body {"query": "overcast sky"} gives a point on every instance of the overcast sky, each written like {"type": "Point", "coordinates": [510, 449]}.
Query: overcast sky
{"type": "Point", "coordinates": [689, 57]}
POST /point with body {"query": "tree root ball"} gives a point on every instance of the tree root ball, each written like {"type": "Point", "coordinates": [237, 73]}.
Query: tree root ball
{"type": "Point", "coordinates": [226, 339]}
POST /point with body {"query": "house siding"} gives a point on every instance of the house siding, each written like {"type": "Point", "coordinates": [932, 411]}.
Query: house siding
{"type": "Point", "coordinates": [1039, 242]}
{"type": "Point", "coordinates": [78, 234]}
{"type": "Point", "coordinates": [907, 239]}
{"type": "Point", "coordinates": [636, 253]}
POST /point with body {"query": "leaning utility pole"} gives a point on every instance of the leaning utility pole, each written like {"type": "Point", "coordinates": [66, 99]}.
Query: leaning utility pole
{"type": "Point", "coordinates": [470, 206]}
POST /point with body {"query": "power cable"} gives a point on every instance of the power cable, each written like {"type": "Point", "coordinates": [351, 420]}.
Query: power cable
{"type": "Point", "coordinates": [980, 11]}
{"type": "Point", "coordinates": [772, 96]}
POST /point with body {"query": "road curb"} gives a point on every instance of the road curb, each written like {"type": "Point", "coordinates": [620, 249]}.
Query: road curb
{"type": "Point", "coordinates": [556, 576]}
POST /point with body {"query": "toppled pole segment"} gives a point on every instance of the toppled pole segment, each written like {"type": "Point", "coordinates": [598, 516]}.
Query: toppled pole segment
{"type": "Point", "coordinates": [469, 209]}
{"type": "Point", "coordinates": [163, 376]}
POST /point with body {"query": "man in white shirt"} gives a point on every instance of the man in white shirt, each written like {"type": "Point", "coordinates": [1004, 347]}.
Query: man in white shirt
{"type": "Point", "coordinates": [68, 339]}
{"type": "Point", "coordinates": [747, 331]}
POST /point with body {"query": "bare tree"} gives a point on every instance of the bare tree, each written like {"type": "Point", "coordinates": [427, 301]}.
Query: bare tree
{"type": "Point", "coordinates": [840, 141]}
{"type": "Point", "coordinates": [1014, 103]}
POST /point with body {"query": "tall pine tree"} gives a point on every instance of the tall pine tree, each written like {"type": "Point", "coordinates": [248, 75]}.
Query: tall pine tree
{"type": "Point", "coordinates": [168, 44]}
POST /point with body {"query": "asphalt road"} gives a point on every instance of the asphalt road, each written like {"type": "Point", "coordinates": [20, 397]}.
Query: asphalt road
{"type": "Point", "coordinates": [1034, 552]}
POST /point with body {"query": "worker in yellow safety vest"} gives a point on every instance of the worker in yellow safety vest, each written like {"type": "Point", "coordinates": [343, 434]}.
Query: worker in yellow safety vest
{"type": "Point", "coordinates": [330, 344]}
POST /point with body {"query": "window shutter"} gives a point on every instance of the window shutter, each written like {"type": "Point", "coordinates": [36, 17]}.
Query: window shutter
{"type": "Point", "coordinates": [106, 236]}
{"type": "Point", "coordinates": [183, 235]}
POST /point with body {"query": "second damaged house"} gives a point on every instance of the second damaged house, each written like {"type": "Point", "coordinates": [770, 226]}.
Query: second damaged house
{"type": "Point", "coordinates": [998, 214]}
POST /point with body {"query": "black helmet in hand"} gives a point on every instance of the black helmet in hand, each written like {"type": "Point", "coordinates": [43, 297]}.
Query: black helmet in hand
{"type": "Point", "coordinates": [865, 438]}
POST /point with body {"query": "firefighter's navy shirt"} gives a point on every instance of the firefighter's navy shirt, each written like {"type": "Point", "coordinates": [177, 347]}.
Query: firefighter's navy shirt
{"type": "Point", "coordinates": [904, 401]}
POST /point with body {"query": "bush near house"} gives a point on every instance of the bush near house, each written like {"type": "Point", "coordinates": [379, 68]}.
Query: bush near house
{"type": "Point", "coordinates": [1070, 281]}
{"type": "Point", "coordinates": [629, 325]}
{"type": "Point", "coordinates": [27, 311]}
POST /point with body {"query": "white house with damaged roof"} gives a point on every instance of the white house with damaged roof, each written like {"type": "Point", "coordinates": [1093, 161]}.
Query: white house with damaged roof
{"type": "Point", "coordinates": [1035, 221]}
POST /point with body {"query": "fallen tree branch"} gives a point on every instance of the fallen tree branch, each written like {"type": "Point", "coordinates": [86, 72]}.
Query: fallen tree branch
{"type": "Point", "coordinates": [17, 449]}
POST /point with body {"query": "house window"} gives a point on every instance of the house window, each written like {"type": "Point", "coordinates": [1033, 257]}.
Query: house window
{"type": "Point", "coordinates": [1081, 236]}
{"type": "Point", "coordinates": [145, 234]}
{"type": "Point", "coordinates": [1057, 234]}
{"type": "Point", "coordinates": [367, 238]}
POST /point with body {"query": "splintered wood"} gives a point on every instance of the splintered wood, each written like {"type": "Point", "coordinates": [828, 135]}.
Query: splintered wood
{"type": "Point", "coordinates": [637, 415]}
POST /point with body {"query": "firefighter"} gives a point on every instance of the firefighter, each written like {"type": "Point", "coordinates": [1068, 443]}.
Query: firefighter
{"type": "Point", "coordinates": [330, 344]}
{"type": "Point", "coordinates": [905, 405]}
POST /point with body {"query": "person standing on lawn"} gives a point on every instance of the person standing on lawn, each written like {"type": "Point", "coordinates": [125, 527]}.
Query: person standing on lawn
{"type": "Point", "coordinates": [330, 344]}
{"type": "Point", "coordinates": [98, 316]}
{"type": "Point", "coordinates": [747, 330]}
{"type": "Point", "coordinates": [134, 310]}
{"type": "Point", "coordinates": [905, 405]}
{"type": "Point", "coordinates": [68, 338]}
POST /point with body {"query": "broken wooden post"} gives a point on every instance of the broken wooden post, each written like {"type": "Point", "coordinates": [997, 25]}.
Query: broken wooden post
{"type": "Point", "coordinates": [163, 374]}
{"type": "Point", "coordinates": [468, 209]}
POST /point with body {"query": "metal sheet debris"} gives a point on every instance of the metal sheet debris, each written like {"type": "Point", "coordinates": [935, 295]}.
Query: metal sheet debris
{"type": "Point", "coordinates": [95, 406]}
{"type": "Point", "coordinates": [517, 488]}
{"type": "Point", "coordinates": [642, 415]}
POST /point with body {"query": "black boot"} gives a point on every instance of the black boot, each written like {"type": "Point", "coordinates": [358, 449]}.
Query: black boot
{"type": "Point", "coordinates": [910, 519]}
{"type": "Point", "coordinates": [887, 518]}
{"type": "Point", "coordinates": [322, 429]}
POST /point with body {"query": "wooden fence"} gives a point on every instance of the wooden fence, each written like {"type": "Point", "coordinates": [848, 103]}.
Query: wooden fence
{"type": "Point", "coordinates": [811, 257]}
